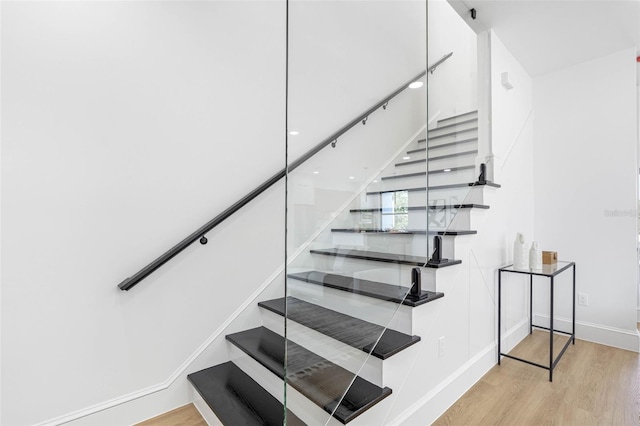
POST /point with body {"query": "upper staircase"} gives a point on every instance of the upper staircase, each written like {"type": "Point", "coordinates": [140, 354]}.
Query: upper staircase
{"type": "Point", "coordinates": [349, 311]}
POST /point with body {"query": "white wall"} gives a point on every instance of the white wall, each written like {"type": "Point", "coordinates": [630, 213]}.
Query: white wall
{"type": "Point", "coordinates": [125, 126]}
{"type": "Point", "coordinates": [453, 87]}
{"type": "Point", "coordinates": [586, 190]}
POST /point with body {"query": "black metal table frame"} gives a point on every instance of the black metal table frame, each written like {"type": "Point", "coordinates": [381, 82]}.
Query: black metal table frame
{"type": "Point", "coordinates": [552, 362]}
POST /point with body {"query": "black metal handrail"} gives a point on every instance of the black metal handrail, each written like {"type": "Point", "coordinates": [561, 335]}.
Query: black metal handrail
{"type": "Point", "coordinates": [198, 234]}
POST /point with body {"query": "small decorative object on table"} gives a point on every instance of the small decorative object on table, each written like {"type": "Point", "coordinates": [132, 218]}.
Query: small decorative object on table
{"type": "Point", "coordinates": [520, 259]}
{"type": "Point", "coordinates": [549, 257]}
{"type": "Point", "coordinates": [535, 256]}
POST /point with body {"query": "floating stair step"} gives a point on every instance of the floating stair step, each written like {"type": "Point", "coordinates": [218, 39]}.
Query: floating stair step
{"type": "Point", "coordinates": [455, 132]}
{"type": "Point", "coordinates": [434, 188]}
{"type": "Point", "coordinates": [457, 123]}
{"type": "Point", "coordinates": [441, 232]}
{"type": "Point", "coordinates": [435, 207]}
{"type": "Point", "coordinates": [377, 290]}
{"type": "Point", "coordinates": [444, 145]}
{"type": "Point", "coordinates": [237, 399]}
{"type": "Point", "coordinates": [316, 378]}
{"type": "Point", "coordinates": [431, 172]}
{"type": "Point", "coordinates": [458, 116]}
{"type": "Point", "coordinates": [349, 330]}
{"type": "Point", "coordinates": [401, 259]}
{"type": "Point", "coordinates": [440, 157]}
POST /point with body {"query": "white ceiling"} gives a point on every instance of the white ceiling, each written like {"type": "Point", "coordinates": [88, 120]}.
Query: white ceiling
{"type": "Point", "coordinates": [546, 35]}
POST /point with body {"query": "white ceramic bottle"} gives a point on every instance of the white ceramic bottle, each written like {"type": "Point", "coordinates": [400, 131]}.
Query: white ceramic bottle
{"type": "Point", "coordinates": [520, 258]}
{"type": "Point", "coordinates": [535, 256]}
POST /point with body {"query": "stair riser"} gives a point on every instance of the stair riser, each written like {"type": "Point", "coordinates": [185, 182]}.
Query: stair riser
{"type": "Point", "coordinates": [458, 219]}
{"type": "Point", "coordinates": [464, 124]}
{"type": "Point", "coordinates": [445, 163]}
{"type": "Point", "coordinates": [458, 118]}
{"type": "Point", "coordinates": [463, 195]}
{"type": "Point", "coordinates": [203, 408]}
{"type": "Point", "coordinates": [347, 357]}
{"type": "Point", "coordinates": [386, 314]}
{"type": "Point", "coordinates": [417, 245]}
{"type": "Point", "coordinates": [435, 179]}
{"type": "Point", "coordinates": [306, 410]}
{"type": "Point", "coordinates": [438, 149]}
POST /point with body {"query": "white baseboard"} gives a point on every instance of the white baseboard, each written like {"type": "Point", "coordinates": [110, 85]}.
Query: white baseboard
{"type": "Point", "coordinates": [596, 333]}
{"type": "Point", "coordinates": [438, 400]}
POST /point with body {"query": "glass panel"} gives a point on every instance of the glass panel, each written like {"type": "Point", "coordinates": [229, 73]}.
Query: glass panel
{"type": "Point", "coordinates": [371, 215]}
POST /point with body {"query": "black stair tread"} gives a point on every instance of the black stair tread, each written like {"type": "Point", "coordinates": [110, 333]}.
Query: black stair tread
{"type": "Point", "coordinates": [431, 172]}
{"type": "Point", "coordinates": [443, 145]}
{"type": "Point", "coordinates": [440, 157]}
{"type": "Point", "coordinates": [406, 231]}
{"type": "Point", "coordinates": [318, 379]}
{"type": "Point", "coordinates": [402, 259]}
{"type": "Point", "coordinates": [349, 330]}
{"type": "Point", "coordinates": [237, 399]}
{"type": "Point", "coordinates": [433, 207]}
{"type": "Point", "coordinates": [432, 188]}
{"type": "Point", "coordinates": [455, 132]}
{"type": "Point", "coordinates": [375, 289]}
{"type": "Point", "coordinates": [457, 123]}
{"type": "Point", "coordinates": [475, 111]}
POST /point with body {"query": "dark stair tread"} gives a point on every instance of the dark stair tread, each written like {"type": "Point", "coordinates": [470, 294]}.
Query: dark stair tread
{"type": "Point", "coordinates": [475, 111]}
{"type": "Point", "coordinates": [457, 123]}
{"type": "Point", "coordinates": [441, 157]}
{"type": "Point", "coordinates": [456, 132]}
{"type": "Point", "coordinates": [402, 259]}
{"type": "Point", "coordinates": [431, 172]}
{"type": "Point", "coordinates": [375, 289]}
{"type": "Point", "coordinates": [422, 208]}
{"type": "Point", "coordinates": [406, 231]}
{"type": "Point", "coordinates": [237, 399]}
{"type": "Point", "coordinates": [349, 330]}
{"type": "Point", "coordinates": [316, 378]}
{"type": "Point", "coordinates": [432, 188]}
{"type": "Point", "coordinates": [444, 145]}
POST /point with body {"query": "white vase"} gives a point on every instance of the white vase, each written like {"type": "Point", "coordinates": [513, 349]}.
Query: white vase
{"type": "Point", "coordinates": [520, 258]}
{"type": "Point", "coordinates": [535, 256]}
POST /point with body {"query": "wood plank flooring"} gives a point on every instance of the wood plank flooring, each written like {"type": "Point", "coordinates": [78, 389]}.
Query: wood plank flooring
{"type": "Point", "coordinates": [187, 415]}
{"type": "Point", "coordinates": [592, 385]}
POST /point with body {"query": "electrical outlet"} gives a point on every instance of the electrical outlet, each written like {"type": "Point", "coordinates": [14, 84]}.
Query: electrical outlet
{"type": "Point", "coordinates": [583, 299]}
{"type": "Point", "coordinates": [441, 347]}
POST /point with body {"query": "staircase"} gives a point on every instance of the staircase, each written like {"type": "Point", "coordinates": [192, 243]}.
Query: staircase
{"type": "Point", "coordinates": [353, 299]}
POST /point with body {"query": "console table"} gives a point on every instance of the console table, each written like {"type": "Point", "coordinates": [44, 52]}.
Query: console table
{"type": "Point", "coordinates": [549, 271]}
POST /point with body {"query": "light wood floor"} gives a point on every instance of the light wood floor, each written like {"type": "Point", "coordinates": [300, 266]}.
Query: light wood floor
{"type": "Point", "coordinates": [187, 415]}
{"type": "Point", "coordinates": [592, 385]}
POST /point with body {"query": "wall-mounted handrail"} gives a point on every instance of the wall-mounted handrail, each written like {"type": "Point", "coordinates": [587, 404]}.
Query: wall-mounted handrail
{"type": "Point", "coordinates": [131, 281]}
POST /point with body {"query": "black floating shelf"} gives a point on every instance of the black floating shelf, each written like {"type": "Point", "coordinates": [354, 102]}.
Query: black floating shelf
{"type": "Point", "coordinates": [441, 232]}
{"type": "Point", "coordinates": [377, 290]}
{"type": "Point", "coordinates": [237, 399]}
{"type": "Point", "coordinates": [401, 259]}
{"type": "Point", "coordinates": [316, 378]}
{"type": "Point", "coordinates": [352, 331]}
{"type": "Point", "coordinates": [422, 208]}
{"type": "Point", "coordinates": [435, 188]}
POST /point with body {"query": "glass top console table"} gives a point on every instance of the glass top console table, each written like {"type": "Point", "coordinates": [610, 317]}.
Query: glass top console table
{"type": "Point", "coordinates": [549, 271]}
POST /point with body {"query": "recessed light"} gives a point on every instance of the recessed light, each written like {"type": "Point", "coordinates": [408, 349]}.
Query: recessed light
{"type": "Point", "coordinates": [375, 181]}
{"type": "Point", "coordinates": [294, 133]}
{"type": "Point", "coordinates": [406, 158]}
{"type": "Point", "coordinates": [316, 173]}
{"type": "Point", "coordinates": [416, 84]}
{"type": "Point", "coordinates": [447, 170]}
{"type": "Point", "coordinates": [352, 177]}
